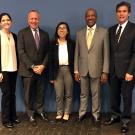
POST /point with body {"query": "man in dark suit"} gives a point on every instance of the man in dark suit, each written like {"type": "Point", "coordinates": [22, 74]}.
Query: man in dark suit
{"type": "Point", "coordinates": [122, 65]}
{"type": "Point", "coordinates": [33, 52]}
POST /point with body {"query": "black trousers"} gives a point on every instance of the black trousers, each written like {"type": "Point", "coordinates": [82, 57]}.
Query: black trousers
{"type": "Point", "coordinates": [119, 87]}
{"type": "Point", "coordinates": [34, 93]}
{"type": "Point", "coordinates": [8, 101]}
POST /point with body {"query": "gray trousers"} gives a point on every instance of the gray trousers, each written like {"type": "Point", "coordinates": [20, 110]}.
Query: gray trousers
{"type": "Point", "coordinates": [92, 85]}
{"type": "Point", "coordinates": [64, 88]}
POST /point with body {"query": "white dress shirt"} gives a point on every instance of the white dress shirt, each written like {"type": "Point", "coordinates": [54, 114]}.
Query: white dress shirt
{"type": "Point", "coordinates": [63, 54]}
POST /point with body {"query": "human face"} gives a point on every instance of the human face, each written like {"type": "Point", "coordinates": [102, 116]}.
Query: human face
{"type": "Point", "coordinates": [122, 14]}
{"type": "Point", "coordinates": [6, 22]}
{"type": "Point", "coordinates": [91, 18]}
{"type": "Point", "coordinates": [33, 20]}
{"type": "Point", "coordinates": [62, 31]}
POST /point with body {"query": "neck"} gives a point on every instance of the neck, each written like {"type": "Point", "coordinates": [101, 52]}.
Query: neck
{"type": "Point", "coordinates": [6, 31]}
{"type": "Point", "coordinates": [61, 40]}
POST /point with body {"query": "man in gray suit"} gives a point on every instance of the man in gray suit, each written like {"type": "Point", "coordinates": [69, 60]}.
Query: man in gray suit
{"type": "Point", "coordinates": [91, 63]}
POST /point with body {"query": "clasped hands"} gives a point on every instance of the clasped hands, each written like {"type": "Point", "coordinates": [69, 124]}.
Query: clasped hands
{"type": "Point", "coordinates": [38, 69]}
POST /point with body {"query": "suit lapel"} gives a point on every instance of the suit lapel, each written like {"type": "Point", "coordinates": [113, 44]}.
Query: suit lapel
{"type": "Point", "coordinates": [84, 35]}
{"type": "Point", "coordinates": [31, 37]}
{"type": "Point", "coordinates": [124, 33]}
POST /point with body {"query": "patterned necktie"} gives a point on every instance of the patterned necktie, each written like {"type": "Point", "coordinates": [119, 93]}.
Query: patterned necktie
{"type": "Point", "coordinates": [118, 34]}
{"type": "Point", "coordinates": [89, 38]}
{"type": "Point", "coordinates": [36, 38]}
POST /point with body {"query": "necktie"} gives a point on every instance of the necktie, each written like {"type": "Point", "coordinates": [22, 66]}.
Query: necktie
{"type": "Point", "coordinates": [118, 34]}
{"type": "Point", "coordinates": [36, 38]}
{"type": "Point", "coordinates": [89, 38]}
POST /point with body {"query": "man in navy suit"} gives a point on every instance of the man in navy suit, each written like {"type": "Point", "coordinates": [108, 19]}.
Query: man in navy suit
{"type": "Point", "coordinates": [122, 65]}
{"type": "Point", "coordinates": [33, 54]}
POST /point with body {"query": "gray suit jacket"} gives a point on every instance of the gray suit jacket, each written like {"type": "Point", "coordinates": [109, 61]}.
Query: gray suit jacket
{"type": "Point", "coordinates": [95, 60]}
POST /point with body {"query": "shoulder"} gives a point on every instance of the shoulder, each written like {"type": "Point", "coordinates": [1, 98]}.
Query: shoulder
{"type": "Point", "coordinates": [102, 29]}
{"type": "Point", "coordinates": [43, 32]}
{"type": "Point", "coordinates": [24, 30]}
{"type": "Point", "coordinates": [71, 42]}
{"type": "Point", "coordinates": [81, 30]}
{"type": "Point", "coordinates": [132, 25]}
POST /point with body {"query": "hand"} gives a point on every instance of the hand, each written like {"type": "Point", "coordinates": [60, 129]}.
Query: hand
{"type": "Point", "coordinates": [38, 69]}
{"type": "Point", "coordinates": [1, 77]}
{"type": "Point", "coordinates": [104, 78]}
{"type": "Point", "coordinates": [77, 77]}
{"type": "Point", "coordinates": [52, 81]}
{"type": "Point", "coordinates": [128, 77]}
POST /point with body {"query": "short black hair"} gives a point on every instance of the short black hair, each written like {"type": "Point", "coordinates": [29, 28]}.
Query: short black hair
{"type": "Point", "coordinates": [90, 9]}
{"type": "Point", "coordinates": [5, 14]}
{"type": "Point", "coordinates": [124, 3]}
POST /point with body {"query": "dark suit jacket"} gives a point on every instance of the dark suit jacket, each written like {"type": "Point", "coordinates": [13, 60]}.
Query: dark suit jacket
{"type": "Point", "coordinates": [15, 39]}
{"type": "Point", "coordinates": [54, 60]}
{"type": "Point", "coordinates": [28, 53]}
{"type": "Point", "coordinates": [122, 55]}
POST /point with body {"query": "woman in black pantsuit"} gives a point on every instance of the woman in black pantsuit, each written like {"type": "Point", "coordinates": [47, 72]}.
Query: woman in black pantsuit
{"type": "Point", "coordinates": [8, 71]}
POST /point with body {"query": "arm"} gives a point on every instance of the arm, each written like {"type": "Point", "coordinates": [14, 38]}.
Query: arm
{"type": "Point", "coordinates": [131, 69]}
{"type": "Point", "coordinates": [106, 55]}
{"type": "Point", "coordinates": [76, 57]}
{"type": "Point", "coordinates": [23, 58]}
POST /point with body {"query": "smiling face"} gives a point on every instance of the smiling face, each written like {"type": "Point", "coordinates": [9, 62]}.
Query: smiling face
{"type": "Point", "coordinates": [33, 19]}
{"type": "Point", "coordinates": [62, 31]}
{"type": "Point", "coordinates": [5, 22]}
{"type": "Point", "coordinates": [122, 14]}
{"type": "Point", "coordinates": [90, 17]}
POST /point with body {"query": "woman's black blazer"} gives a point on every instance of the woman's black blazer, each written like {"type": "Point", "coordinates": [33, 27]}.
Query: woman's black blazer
{"type": "Point", "coordinates": [54, 60]}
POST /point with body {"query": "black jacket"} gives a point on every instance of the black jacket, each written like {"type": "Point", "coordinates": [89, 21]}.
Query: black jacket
{"type": "Point", "coordinates": [54, 60]}
{"type": "Point", "coordinates": [28, 53]}
{"type": "Point", "coordinates": [122, 55]}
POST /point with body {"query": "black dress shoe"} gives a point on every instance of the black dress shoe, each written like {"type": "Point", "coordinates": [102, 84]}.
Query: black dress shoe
{"type": "Point", "coordinates": [44, 116]}
{"type": "Point", "coordinates": [80, 119]}
{"type": "Point", "coordinates": [112, 120]}
{"type": "Point", "coordinates": [8, 125]}
{"type": "Point", "coordinates": [97, 123]}
{"type": "Point", "coordinates": [16, 121]}
{"type": "Point", "coordinates": [33, 121]}
{"type": "Point", "coordinates": [124, 128]}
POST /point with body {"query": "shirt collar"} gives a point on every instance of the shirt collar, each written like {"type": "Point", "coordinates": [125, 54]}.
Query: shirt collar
{"type": "Point", "coordinates": [123, 25]}
{"type": "Point", "coordinates": [34, 29]}
{"type": "Point", "coordinates": [93, 27]}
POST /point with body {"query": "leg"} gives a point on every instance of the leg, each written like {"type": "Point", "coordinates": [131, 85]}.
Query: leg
{"type": "Point", "coordinates": [6, 98]}
{"type": "Point", "coordinates": [115, 87]}
{"type": "Point", "coordinates": [59, 88]}
{"type": "Point", "coordinates": [40, 87]}
{"type": "Point", "coordinates": [126, 90]}
{"type": "Point", "coordinates": [13, 97]}
{"type": "Point", "coordinates": [68, 81]}
{"type": "Point", "coordinates": [28, 83]}
{"type": "Point", "coordinates": [85, 87]}
{"type": "Point", "coordinates": [96, 102]}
